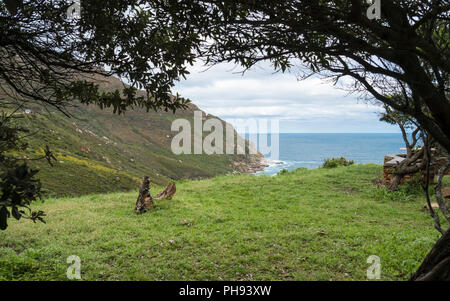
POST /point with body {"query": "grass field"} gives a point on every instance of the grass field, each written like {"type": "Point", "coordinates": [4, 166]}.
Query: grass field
{"type": "Point", "coordinates": [320, 224]}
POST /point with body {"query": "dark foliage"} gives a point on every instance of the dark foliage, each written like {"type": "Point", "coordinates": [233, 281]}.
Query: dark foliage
{"type": "Point", "coordinates": [17, 183]}
{"type": "Point", "coordinates": [337, 162]}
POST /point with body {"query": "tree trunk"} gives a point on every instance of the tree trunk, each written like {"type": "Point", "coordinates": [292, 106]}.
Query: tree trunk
{"type": "Point", "coordinates": [440, 196]}
{"type": "Point", "coordinates": [436, 266]}
{"type": "Point", "coordinates": [144, 201]}
{"type": "Point", "coordinates": [395, 182]}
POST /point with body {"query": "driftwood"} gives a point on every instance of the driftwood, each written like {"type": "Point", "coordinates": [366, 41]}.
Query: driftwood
{"type": "Point", "coordinates": [416, 159]}
{"type": "Point", "coordinates": [167, 193]}
{"type": "Point", "coordinates": [145, 202]}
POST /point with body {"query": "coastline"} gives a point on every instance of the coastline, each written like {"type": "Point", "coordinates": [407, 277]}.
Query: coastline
{"type": "Point", "coordinates": [310, 150]}
{"type": "Point", "coordinates": [250, 164]}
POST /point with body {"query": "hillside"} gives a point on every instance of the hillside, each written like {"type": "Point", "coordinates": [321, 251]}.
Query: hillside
{"type": "Point", "coordinates": [100, 152]}
{"type": "Point", "coordinates": [318, 224]}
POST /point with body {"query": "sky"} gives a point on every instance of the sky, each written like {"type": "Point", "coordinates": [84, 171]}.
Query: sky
{"type": "Point", "coordinates": [312, 105]}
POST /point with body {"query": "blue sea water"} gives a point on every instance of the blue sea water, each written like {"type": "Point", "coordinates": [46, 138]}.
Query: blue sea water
{"type": "Point", "coordinates": [310, 150]}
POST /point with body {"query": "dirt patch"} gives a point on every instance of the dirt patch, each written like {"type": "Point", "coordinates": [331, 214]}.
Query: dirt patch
{"type": "Point", "coordinates": [349, 190]}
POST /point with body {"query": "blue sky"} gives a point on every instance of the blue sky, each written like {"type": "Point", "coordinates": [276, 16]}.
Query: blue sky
{"type": "Point", "coordinates": [308, 106]}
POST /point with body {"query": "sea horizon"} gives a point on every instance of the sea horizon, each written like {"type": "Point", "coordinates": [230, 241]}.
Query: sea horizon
{"type": "Point", "coordinates": [253, 133]}
{"type": "Point", "coordinates": [309, 150]}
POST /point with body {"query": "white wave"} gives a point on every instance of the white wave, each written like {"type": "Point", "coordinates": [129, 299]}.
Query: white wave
{"type": "Point", "coordinates": [271, 162]}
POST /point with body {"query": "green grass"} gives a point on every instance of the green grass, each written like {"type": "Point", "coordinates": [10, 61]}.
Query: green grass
{"type": "Point", "coordinates": [321, 224]}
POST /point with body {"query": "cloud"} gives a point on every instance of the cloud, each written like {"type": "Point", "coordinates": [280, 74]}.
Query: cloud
{"type": "Point", "coordinates": [312, 104]}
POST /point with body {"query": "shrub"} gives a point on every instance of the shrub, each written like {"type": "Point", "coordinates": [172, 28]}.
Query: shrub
{"type": "Point", "coordinates": [336, 162]}
{"type": "Point", "coordinates": [283, 171]}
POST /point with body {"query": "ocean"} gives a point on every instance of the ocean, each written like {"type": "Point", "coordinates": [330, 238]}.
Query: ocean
{"type": "Point", "coordinates": [310, 150]}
